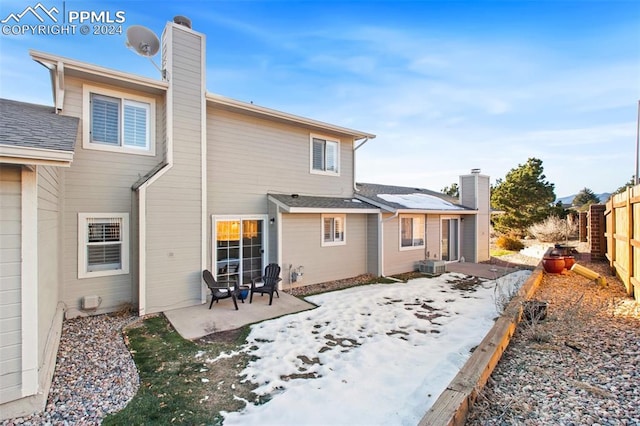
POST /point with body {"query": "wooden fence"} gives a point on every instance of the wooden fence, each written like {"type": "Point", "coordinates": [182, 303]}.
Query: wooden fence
{"type": "Point", "coordinates": [622, 233]}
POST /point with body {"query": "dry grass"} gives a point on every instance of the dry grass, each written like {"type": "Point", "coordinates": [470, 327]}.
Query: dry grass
{"type": "Point", "coordinates": [554, 229]}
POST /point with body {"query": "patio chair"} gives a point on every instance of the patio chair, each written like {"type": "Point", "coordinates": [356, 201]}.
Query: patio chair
{"type": "Point", "coordinates": [268, 283]}
{"type": "Point", "coordinates": [218, 290]}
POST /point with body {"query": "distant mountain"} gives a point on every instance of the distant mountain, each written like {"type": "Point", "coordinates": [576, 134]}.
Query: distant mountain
{"type": "Point", "coordinates": [566, 201]}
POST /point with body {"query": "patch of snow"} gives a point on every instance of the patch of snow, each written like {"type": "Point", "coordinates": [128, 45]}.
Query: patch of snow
{"type": "Point", "coordinates": [420, 201]}
{"type": "Point", "coordinates": [537, 251]}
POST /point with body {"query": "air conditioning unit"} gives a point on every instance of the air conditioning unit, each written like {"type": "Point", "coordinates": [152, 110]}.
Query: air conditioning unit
{"type": "Point", "coordinates": [432, 267]}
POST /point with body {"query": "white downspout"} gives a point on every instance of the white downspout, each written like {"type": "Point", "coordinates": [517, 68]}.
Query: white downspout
{"type": "Point", "coordinates": [354, 160]}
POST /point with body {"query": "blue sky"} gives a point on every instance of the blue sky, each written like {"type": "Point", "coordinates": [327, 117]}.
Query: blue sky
{"type": "Point", "coordinates": [446, 86]}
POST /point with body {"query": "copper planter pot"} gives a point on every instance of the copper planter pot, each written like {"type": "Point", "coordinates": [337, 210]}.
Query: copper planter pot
{"type": "Point", "coordinates": [553, 264]}
{"type": "Point", "coordinates": [569, 261]}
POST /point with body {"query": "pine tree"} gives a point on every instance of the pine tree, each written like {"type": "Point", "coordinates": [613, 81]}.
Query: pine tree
{"type": "Point", "coordinates": [585, 198]}
{"type": "Point", "coordinates": [452, 190]}
{"type": "Point", "coordinates": [524, 196]}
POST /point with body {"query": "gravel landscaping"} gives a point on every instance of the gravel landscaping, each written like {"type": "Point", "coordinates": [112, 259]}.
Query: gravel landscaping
{"type": "Point", "coordinates": [94, 376]}
{"type": "Point", "coordinates": [579, 366]}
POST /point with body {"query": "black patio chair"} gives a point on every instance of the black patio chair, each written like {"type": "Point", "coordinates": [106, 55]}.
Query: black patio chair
{"type": "Point", "coordinates": [218, 290]}
{"type": "Point", "coordinates": [268, 283]}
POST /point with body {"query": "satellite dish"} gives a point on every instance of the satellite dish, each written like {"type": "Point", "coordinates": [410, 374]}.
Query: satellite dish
{"type": "Point", "coordinates": [142, 40]}
{"type": "Point", "coordinates": [145, 43]}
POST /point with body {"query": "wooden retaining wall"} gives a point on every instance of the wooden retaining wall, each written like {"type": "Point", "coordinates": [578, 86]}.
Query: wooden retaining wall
{"type": "Point", "coordinates": [452, 407]}
{"type": "Point", "coordinates": [622, 235]}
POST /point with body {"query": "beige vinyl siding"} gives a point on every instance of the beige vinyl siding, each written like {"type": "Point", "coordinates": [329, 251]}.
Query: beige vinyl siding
{"type": "Point", "coordinates": [174, 205]}
{"type": "Point", "coordinates": [301, 246]}
{"type": "Point", "coordinates": [468, 195]}
{"type": "Point", "coordinates": [272, 233]}
{"type": "Point", "coordinates": [10, 283]}
{"type": "Point", "coordinates": [469, 227]}
{"type": "Point", "coordinates": [398, 261]}
{"type": "Point", "coordinates": [475, 193]}
{"type": "Point", "coordinates": [468, 233]}
{"type": "Point", "coordinates": [49, 249]}
{"type": "Point", "coordinates": [483, 219]}
{"type": "Point", "coordinates": [100, 182]}
{"type": "Point", "coordinates": [249, 157]}
{"type": "Point", "coordinates": [373, 253]}
{"type": "Point", "coordinates": [434, 237]}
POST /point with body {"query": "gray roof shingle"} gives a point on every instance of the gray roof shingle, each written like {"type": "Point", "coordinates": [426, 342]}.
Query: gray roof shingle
{"type": "Point", "coordinates": [36, 126]}
{"type": "Point", "coordinates": [329, 203]}
{"type": "Point", "coordinates": [373, 191]}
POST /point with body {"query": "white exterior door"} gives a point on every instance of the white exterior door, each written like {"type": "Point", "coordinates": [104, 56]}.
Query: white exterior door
{"type": "Point", "coordinates": [239, 247]}
{"type": "Point", "coordinates": [450, 237]}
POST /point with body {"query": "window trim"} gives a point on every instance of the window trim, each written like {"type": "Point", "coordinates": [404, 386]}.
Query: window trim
{"type": "Point", "coordinates": [414, 217]}
{"type": "Point", "coordinates": [83, 271]}
{"type": "Point", "coordinates": [124, 98]}
{"type": "Point", "coordinates": [325, 139]}
{"type": "Point", "coordinates": [341, 217]}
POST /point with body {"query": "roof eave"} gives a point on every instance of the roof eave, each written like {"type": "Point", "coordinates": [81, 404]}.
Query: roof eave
{"type": "Point", "coordinates": [235, 105]}
{"type": "Point", "coordinates": [331, 210]}
{"type": "Point", "coordinates": [10, 154]}
{"type": "Point", "coordinates": [442, 212]}
{"type": "Point", "coordinates": [98, 73]}
{"type": "Point", "coordinates": [290, 209]}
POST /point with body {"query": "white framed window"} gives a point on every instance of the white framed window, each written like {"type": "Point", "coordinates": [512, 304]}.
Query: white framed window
{"type": "Point", "coordinates": [325, 155]}
{"type": "Point", "coordinates": [118, 122]}
{"type": "Point", "coordinates": [103, 244]}
{"type": "Point", "coordinates": [333, 230]}
{"type": "Point", "coordinates": [411, 232]}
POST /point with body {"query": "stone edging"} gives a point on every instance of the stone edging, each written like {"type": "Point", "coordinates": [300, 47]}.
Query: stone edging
{"type": "Point", "coordinates": [452, 406]}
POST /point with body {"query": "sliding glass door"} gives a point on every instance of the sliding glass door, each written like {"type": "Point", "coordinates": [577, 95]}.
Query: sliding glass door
{"type": "Point", "coordinates": [238, 248]}
{"type": "Point", "coordinates": [450, 237]}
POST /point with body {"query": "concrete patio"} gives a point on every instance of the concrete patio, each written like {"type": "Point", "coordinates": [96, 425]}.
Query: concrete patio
{"type": "Point", "coordinates": [480, 270]}
{"type": "Point", "coordinates": [194, 322]}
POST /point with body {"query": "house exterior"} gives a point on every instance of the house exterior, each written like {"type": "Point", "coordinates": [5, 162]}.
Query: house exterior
{"type": "Point", "coordinates": [32, 163]}
{"type": "Point", "coordinates": [128, 187]}
{"type": "Point", "coordinates": [417, 224]}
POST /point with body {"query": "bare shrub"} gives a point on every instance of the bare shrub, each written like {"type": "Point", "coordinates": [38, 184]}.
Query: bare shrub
{"type": "Point", "coordinates": [507, 242]}
{"type": "Point", "coordinates": [554, 229]}
{"type": "Point", "coordinates": [534, 312]}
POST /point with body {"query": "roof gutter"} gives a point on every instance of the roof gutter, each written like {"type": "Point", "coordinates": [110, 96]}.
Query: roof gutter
{"type": "Point", "coordinates": [35, 156]}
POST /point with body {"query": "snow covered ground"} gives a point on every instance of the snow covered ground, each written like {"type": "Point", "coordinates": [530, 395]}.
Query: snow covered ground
{"type": "Point", "coordinates": [374, 355]}
{"type": "Point", "coordinates": [537, 250]}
